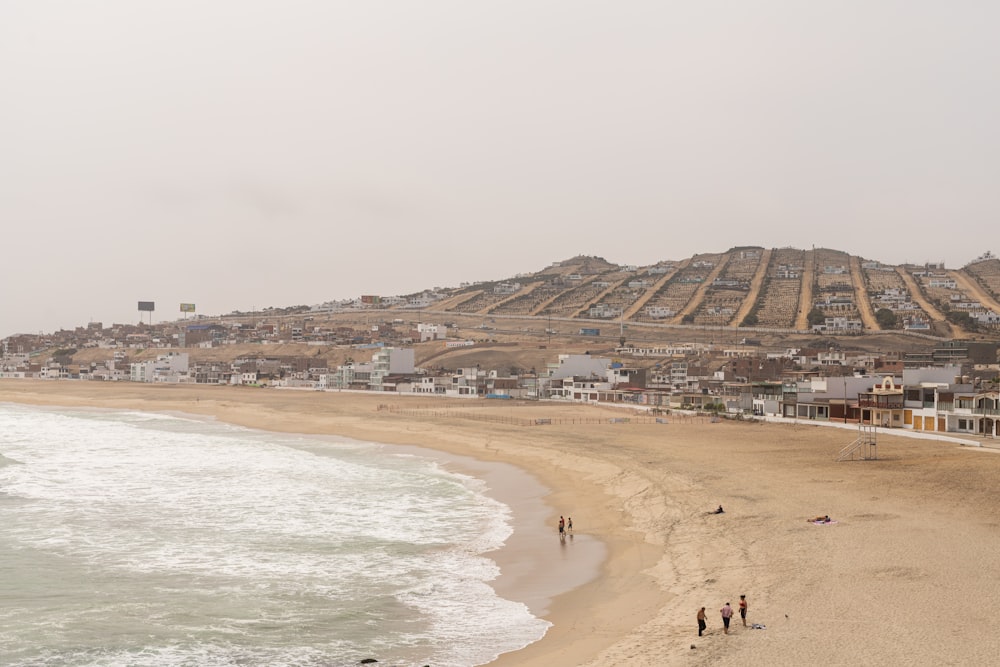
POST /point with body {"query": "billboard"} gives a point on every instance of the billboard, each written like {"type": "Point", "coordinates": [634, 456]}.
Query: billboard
{"type": "Point", "coordinates": [146, 306]}
{"type": "Point", "coordinates": [187, 307]}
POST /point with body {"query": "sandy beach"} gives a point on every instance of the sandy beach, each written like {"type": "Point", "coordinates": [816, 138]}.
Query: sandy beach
{"type": "Point", "coordinates": [907, 572]}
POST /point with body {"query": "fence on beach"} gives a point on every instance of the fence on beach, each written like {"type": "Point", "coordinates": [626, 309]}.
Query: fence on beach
{"type": "Point", "coordinates": [512, 420]}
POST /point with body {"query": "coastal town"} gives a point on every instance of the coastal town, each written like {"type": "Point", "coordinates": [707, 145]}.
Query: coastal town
{"type": "Point", "coordinates": [761, 333]}
{"type": "Point", "coordinates": [945, 386]}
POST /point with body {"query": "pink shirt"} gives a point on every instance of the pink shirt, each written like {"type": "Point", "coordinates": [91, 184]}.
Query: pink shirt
{"type": "Point", "coordinates": [727, 611]}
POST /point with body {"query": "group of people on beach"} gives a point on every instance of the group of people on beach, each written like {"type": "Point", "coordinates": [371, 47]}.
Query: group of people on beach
{"type": "Point", "coordinates": [565, 526]}
{"type": "Point", "coordinates": [727, 615]}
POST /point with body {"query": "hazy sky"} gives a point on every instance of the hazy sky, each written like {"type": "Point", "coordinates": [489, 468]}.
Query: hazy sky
{"type": "Point", "coordinates": [240, 154]}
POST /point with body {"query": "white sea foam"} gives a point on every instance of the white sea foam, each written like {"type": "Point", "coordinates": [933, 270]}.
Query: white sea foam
{"type": "Point", "coordinates": [140, 539]}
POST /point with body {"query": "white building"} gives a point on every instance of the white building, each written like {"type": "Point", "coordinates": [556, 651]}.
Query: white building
{"type": "Point", "coordinates": [426, 332]}
{"type": "Point", "coordinates": [507, 288]}
{"type": "Point", "coordinates": [601, 311]}
{"type": "Point", "coordinates": [579, 365]}
{"type": "Point", "coordinates": [838, 325]}
{"type": "Point", "coordinates": [170, 367]}
{"type": "Point", "coordinates": [390, 361]}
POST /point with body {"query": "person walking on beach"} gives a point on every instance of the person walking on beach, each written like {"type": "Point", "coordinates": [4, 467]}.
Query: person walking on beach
{"type": "Point", "coordinates": [701, 621]}
{"type": "Point", "coordinates": [562, 527]}
{"type": "Point", "coordinates": [569, 525]}
{"type": "Point", "coordinates": [727, 613]}
{"type": "Point", "coordinates": [743, 609]}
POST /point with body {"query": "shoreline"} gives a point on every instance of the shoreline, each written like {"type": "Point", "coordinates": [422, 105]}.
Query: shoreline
{"type": "Point", "coordinates": [908, 532]}
{"type": "Point", "coordinates": [548, 586]}
{"type": "Point", "coordinates": [527, 572]}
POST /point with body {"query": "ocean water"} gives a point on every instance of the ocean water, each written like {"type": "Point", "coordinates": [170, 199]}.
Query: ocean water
{"type": "Point", "coordinates": [139, 539]}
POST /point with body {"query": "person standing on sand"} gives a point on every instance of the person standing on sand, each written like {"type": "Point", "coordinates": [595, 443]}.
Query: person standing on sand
{"type": "Point", "coordinates": [562, 526]}
{"type": "Point", "coordinates": [701, 621]}
{"type": "Point", "coordinates": [727, 613]}
{"type": "Point", "coordinates": [743, 609]}
{"type": "Point", "coordinates": [569, 525]}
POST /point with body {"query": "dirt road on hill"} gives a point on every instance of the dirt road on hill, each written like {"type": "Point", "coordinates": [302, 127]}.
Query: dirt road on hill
{"type": "Point", "coordinates": [699, 294]}
{"type": "Point", "coordinates": [974, 289]}
{"type": "Point", "coordinates": [806, 296]}
{"type": "Point", "coordinates": [918, 297]}
{"type": "Point", "coordinates": [755, 283]}
{"type": "Point", "coordinates": [868, 320]}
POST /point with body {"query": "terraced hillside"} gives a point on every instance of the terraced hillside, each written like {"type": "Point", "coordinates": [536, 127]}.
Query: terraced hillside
{"type": "Point", "coordinates": [725, 294]}
{"type": "Point", "coordinates": [535, 290]}
{"type": "Point", "coordinates": [771, 288]}
{"type": "Point", "coordinates": [672, 297]}
{"type": "Point", "coordinates": [527, 301]}
{"type": "Point", "coordinates": [954, 291]}
{"type": "Point", "coordinates": [976, 291]}
{"type": "Point", "coordinates": [886, 289]}
{"type": "Point", "coordinates": [985, 271]}
{"type": "Point", "coordinates": [834, 293]}
{"type": "Point", "coordinates": [777, 301]}
{"type": "Point", "coordinates": [657, 277]}
{"type": "Point", "coordinates": [668, 295]}
{"type": "Point", "coordinates": [571, 301]}
{"type": "Point", "coordinates": [478, 302]}
{"type": "Point", "coordinates": [622, 289]}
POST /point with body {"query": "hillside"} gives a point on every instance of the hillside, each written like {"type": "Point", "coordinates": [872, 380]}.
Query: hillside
{"type": "Point", "coordinates": [774, 289]}
{"type": "Point", "coordinates": [587, 304]}
{"type": "Point", "coordinates": [719, 299]}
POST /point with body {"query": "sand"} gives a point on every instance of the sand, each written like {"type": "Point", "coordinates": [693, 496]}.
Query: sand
{"type": "Point", "coordinates": [907, 574]}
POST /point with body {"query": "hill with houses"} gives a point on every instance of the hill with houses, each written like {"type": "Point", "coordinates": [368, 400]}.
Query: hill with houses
{"type": "Point", "coordinates": [776, 289]}
{"type": "Point", "coordinates": [781, 297]}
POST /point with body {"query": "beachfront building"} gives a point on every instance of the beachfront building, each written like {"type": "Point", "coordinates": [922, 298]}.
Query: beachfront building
{"type": "Point", "coordinates": [976, 411]}
{"type": "Point", "coordinates": [986, 412]}
{"type": "Point", "coordinates": [828, 398]}
{"type": "Point", "coordinates": [766, 397]}
{"type": "Point", "coordinates": [428, 384]}
{"type": "Point", "coordinates": [170, 367]}
{"type": "Point", "coordinates": [938, 399]}
{"type": "Point", "coordinates": [504, 387]}
{"type": "Point", "coordinates": [211, 373]}
{"type": "Point", "coordinates": [244, 378]}
{"type": "Point", "coordinates": [931, 399]}
{"type": "Point", "coordinates": [622, 377]}
{"type": "Point", "coordinates": [390, 361]}
{"type": "Point", "coordinates": [582, 389]}
{"type": "Point", "coordinates": [578, 365]}
{"type": "Point", "coordinates": [467, 383]}
{"type": "Point", "coordinates": [929, 394]}
{"type": "Point", "coordinates": [340, 377]}
{"type": "Point", "coordinates": [882, 405]}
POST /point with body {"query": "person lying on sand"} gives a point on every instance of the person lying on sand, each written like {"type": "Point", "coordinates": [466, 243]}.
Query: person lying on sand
{"type": "Point", "coordinates": [820, 519]}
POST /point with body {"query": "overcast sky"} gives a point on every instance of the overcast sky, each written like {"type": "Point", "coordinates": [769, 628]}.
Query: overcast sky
{"type": "Point", "coordinates": [239, 154]}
